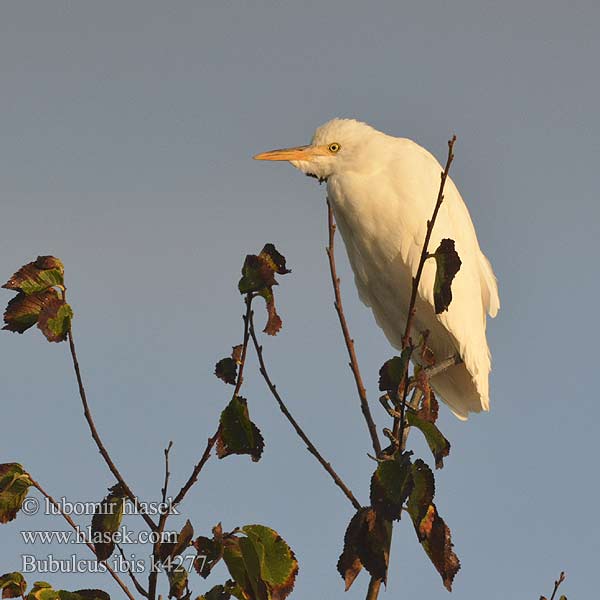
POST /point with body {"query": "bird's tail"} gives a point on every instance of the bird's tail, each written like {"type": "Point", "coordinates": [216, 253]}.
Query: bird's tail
{"type": "Point", "coordinates": [461, 391]}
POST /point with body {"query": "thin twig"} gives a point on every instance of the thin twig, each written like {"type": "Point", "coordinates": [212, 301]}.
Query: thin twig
{"type": "Point", "coordinates": [557, 583]}
{"type": "Point", "coordinates": [152, 579]}
{"type": "Point", "coordinates": [167, 473]}
{"type": "Point", "coordinates": [136, 583]}
{"type": "Point", "coordinates": [362, 393]}
{"type": "Point", "coordinates": [310, 446]}
{"type": "Point", "coordinates": [399, 423]}
{"type": "Point", "coordinates": [96, 437]}
{"type": "Point", "coordinates": [76, 528]}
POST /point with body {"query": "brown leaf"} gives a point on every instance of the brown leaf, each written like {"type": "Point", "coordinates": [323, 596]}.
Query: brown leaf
{"type": "Point", "coordinates": [258, 277]}
{"type": "Point", "coordinates": [23, 311]}
{"type": "Point", "coordinates": [366, 543]}
{"type": "Point", "coordinates": [55, 319]}
{"type": "Point", "coordinates": [432, 531]}
{"type": "Point", "coordinates": [43, 273]}
{"type": "Point", "coordinates": [448, 264]}
{"type": "Point", "coordinates": [226, 370]}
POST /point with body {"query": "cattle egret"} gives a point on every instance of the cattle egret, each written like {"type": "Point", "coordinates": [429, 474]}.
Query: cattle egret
{"type": "Point", "coordinates": [382, 190]}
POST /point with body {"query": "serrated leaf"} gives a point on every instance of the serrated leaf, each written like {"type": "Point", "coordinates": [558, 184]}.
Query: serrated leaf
{"type": "Point", "coordinates": [43, 273]}
{"type": "Point", "coordinates": [209, 551]}
{"type": "Point", "coordinates": [432, 531]}
{"type": "Point", "coordinates": [262, 564]}
{"type": "Point", "coordinates": [391, 485]}
{"type": "Point", "coordinates": [236, 565]}
{"type": "Point", "coordinates": [173, 549]}
{"type": "Point", "coordinates": [226, 370]}
{"type": "Point", "coordinates": [237, 433]}
{"type": "Point", "coordinates": [448, 264]}
{"type": "Point", "coordinates": [278, 564]}
{"type": "Point", "coordinates": [14, 486]}
{"type": "Point", "coordinates": [55, 319]}
{"type": "Point", "coordinates": [438, 444]}
{"type": "Point", "coordinates": [366, 543]}
{"type": "Point", "coordinates": [178, 579]}
{"type": "Point", "coordinates": [23, 311]}
{"type": "Point", "coordinates": [258, 277]}
{"type": "Point", "coordinates": [13, 585]}
{"type": "Point", "coordinates": [107, 520]}
{"type": "Point", "coordinates": [393, 371]}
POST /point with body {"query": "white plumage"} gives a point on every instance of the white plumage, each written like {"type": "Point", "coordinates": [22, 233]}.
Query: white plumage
{"type": "Point", "coordinates": [383, 190]}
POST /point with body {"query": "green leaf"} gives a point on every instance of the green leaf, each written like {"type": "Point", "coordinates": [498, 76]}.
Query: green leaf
{"type": "Point", "coordinates": [14, 486]}
{"type": "Point", "coordinates": [43, 273]}
{"type": "Point", "coordinates": [173, 549]}
{"type": "Point", "coordinates": [391, 485]}
{"type": "Point", "coordinates": [262, 564]}
{"type": "Point", "coordinates": [178, 579]}
{"type": "Point", "coordinates": [258, 277]}
{"type": "Point", "coordinates": [23, 311]}
{"type": "Point", "coordinates": [107, 520]}
{"type": "Point", "coordinates": [55, 320]}
{"type": "Point", "coordinates": [226, 370]}
{"type": "Point", "coordinates": [42, 591]}
{"type": "Point", "coordinates": [13, 585]}
{"type": "Point", "coordinates": [393, 372]}
{"type": "Point", "coordinates": [366, 543]}
{"type": "Point", "coordinates": [432, 531]}
{"type": "Point", "coordinates": [237, 433]}
{"type": "Point", "coordinates": [210, 551]}
{"type": "Point", "coordinates": [438, 444]}
{"type": "Point", "coordinates": [278, 564]}
{"type": "Point", "coordinates": [83, 595]}
{"type": "Point", "coordinates": [448, 264]}
{"type": "Point", "coordinates": [92, 594]}
{"type": "Point", "coordinates": [236, 564]}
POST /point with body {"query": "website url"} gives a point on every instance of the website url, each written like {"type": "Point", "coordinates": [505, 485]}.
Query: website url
{"type": "Point", "coordinates": [86, 536]}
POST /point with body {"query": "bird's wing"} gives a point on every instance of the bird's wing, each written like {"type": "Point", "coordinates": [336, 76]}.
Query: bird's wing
{"type": "Point", "coordinates": [383, 219]}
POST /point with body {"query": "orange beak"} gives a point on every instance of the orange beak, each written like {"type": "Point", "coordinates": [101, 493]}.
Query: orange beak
{"type": "Point", "coordinates": [297, 153]}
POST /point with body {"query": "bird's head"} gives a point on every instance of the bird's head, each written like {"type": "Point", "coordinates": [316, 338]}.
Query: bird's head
{"type": "Point", "coordinates": [337, 146]}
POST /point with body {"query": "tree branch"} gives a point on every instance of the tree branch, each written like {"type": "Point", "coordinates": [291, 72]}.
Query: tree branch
{"type": "Point", "coordinates": [152, 579]}
{"type": "Point", "coordinates": [167, 473]}
{"type": "Point", "coordinates": [310, 446]}
{"type": "Point", "coordinates": [136, 583]}
{"type": "Point", "coordinates": [76, 528]}
{"type": "Point", "coordinates": [362, 393]}
{"type": "Point", "coordinates": [399, 423]}
{"type": "Point", "coordinates": [96, 436]}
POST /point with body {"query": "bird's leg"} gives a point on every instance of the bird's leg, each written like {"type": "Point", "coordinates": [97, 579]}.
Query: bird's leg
{"type": "Point", "coordinates": [385, 401]}
{"type": "Point", "coordinates": [443, 365]}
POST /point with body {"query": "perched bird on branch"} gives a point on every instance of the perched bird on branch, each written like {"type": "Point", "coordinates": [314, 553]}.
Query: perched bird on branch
{"type": "Point", "coordinates": [382, 190]}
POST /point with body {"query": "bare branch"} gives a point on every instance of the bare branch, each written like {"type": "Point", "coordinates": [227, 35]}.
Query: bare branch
{"type": "Point", "coordinates": [399, 423]}
{"type": "Point", "coordinates": [362, 393]}
{"type": "Point", "coordinates": [152, 579]}
{"type": "Point", "coordinates": [310, 446]}
{"type": "Point", "coordinates": [97, 439]}
{"type": "Point", "coordinates": [167, 472]}
{"type": "Point", "coordinates": [136, 583]}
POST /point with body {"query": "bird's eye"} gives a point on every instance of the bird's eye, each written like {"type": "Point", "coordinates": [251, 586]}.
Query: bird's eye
{"type": "Point", "coordinates": [335, 147]}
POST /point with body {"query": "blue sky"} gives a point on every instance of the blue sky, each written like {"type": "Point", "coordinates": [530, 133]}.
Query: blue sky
{"type": "Point", "coordinates": [127, 135]}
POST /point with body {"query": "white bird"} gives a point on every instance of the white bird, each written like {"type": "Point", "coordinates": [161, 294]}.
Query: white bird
{"type": "Point", "coordinates": [382, 190]}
